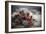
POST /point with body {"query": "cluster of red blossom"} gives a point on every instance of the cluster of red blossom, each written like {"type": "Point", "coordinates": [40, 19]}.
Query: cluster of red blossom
{"type": "Point", "coordinates": [23, 17]}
